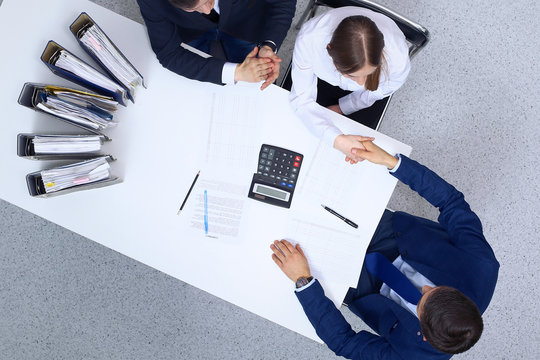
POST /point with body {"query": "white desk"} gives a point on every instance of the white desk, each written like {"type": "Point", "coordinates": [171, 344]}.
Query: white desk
{"type": "Point", "coordinates": [160, 145]}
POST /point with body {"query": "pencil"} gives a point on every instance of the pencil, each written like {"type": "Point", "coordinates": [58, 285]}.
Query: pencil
{"type": "Point", "coordinates": [189, 192]}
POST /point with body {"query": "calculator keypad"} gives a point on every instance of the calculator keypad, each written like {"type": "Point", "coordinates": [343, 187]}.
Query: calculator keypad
{"type": "Point", "coordinates": [279, 166]}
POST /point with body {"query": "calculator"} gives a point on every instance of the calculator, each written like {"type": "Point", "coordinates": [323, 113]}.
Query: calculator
{"type": "Point", "coordinates": [276, 176]}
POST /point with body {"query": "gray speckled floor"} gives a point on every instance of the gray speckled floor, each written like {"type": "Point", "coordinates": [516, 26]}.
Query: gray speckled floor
{"type": "Point", "coordinates": [470, 109]}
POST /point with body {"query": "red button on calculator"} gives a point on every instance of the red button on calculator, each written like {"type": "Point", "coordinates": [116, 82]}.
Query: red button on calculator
{"type": "Point", "coordinates": [297, 158]}
{"type": "Point", "coordinates": [296, 164]}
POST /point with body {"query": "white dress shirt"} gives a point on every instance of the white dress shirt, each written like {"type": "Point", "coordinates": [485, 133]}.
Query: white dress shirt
{"type": "Point", "coordinates": [416, 278]}
{"type": "Point", "coordinates": [311, 61]}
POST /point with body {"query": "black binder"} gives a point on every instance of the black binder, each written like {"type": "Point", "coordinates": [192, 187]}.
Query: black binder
{"type": "Point", "coordinates": [50, 56]}
{"type": "Point", "coordinates": [78, 27]}
{"type": "Point", "coordinates": [28, 98]}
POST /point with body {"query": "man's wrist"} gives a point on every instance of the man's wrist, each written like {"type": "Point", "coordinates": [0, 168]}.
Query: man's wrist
{"type": "Point", "coordinates": [391, 162]}
{"type": "Point", "coordinates": [303, 281]}
{"type": "Point", "coordinates": [238, 73]}
{"type": "Point", "coordinates": [269, 44]}
{"type": "Point", "coordinates": [265, 51]}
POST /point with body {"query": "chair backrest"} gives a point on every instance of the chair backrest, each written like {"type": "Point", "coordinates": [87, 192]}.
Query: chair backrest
{"type": "Point", "coordinates": [416, 34]}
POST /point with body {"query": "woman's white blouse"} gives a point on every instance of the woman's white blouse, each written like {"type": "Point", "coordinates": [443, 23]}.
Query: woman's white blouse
{"type": "Point", "coordinates": [311, 61]}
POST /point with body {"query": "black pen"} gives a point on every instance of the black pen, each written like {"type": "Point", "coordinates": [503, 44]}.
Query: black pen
{"type": "Point", "coordinates": [349, 222]}
{"type": "Point", "coordinates": [189, 192]}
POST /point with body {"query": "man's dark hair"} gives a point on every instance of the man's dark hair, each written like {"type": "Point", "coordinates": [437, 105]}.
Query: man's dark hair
{"type": "Point", "coordinates": [184, 4]}
{"type": "Point", "coordinates": [450, 321]}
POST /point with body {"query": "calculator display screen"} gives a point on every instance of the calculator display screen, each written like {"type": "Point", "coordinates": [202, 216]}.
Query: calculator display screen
{"type": "Point", "coordinates": [272, 192]}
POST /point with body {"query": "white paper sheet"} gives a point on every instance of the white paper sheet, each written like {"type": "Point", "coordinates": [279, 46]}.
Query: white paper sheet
{"type": "Point", "coordinates": [225, 205]}
{"type": "Point", "coordinates": [330, 179]}
{"type": "Point", "coordinates": [234, 131]}
{"type": "Point", "coordinates": [334, 255]}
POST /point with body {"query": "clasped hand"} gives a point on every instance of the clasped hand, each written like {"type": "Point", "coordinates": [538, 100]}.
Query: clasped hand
{"type": "Point", "coordinates": [366, 151]}
{"type": "Point", "coordinates": [347, 143]}
{"type": "Point", "coordinates": [255, 69]}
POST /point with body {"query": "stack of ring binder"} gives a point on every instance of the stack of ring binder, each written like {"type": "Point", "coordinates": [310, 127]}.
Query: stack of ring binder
{"type": "Point", "coordinates": [92, 111]}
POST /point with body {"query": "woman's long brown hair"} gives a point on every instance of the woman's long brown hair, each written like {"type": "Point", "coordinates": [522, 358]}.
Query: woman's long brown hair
{"type": "Point", "coordinates": [356, 42]}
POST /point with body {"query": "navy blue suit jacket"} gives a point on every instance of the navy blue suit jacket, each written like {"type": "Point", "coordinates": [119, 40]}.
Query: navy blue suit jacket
{"type": "Point", "coordinates": [249, 20]}
{"type": "Point", "coordinates": [452, 252]}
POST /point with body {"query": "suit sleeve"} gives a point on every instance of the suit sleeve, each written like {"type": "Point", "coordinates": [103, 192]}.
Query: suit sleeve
{"type": "Point", "coordinates": [166, 39]}
{"type": "Point", "coordinates": [337, 334]}
{"type": "Point", "coordinates": [278, 20]}
{"type": "Point", "coordinates": [456, 216]}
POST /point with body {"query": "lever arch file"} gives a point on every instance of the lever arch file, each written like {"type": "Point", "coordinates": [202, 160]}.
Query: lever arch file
{"type": "Point", "coordinates": [89, 174]}
{"type": "Point", "coordinates": [64, 64]}
{"type": "Point", "coordinates": [59, 147]}
{"type": "Point", "coordinates": [89, 111]}
{"type": "Point", "coordinates": [100, 47]}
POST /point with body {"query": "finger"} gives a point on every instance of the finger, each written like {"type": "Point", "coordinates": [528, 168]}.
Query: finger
{"type": "Point", "coordinates": [263, 60]}
{"type": "Point", "coordinates": [365, 138]}
{"type": "Point", "coordinates": [300, 250]}
{"type": "Point", "coordinates": [277, 250]}
{"type": "Point", "coordinates": [273, 75]}
{"type": "Point", "coordinates": [277, 261]}
{"type": "Point", "coordinates": [361, 155]}
{"type": "Point", "coordinates": [265, 85]}
{"type": "Point", "coordinates": [347, 158]}
{"type": "Point", "coordinates": [264, 72]}
{"type": "Point", "coordinates": [263, 66]}
{"type": "Point", "coordinates": [288, 246]}
{"type": "Point", "coordinates": [368, 144]}
{"type": "Point", "coordinates": [253, 52]}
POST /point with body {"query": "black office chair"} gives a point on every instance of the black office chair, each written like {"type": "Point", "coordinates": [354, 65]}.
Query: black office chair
{"type": "Point", "coordinates": [417, 36]}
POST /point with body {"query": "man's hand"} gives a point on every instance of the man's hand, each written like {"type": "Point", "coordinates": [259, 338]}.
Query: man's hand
{"type": "Point", "coordinates": [266, 52]}
{"type": "Point", "coordinates": [290, 259]}
{"type": "Point", "coordinates": [335, 108]}
{"type": "Point", "coordinates": [345, 143]}
{"type": "Point", "coordinates": [253, 69]}
{"type": "Point", "coordinates": [374, 154]}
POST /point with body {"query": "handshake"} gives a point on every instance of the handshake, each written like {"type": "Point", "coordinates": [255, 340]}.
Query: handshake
{"type": "Point", "coordinates": [359, 148]}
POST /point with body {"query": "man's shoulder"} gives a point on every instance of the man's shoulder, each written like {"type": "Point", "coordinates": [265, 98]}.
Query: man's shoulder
{"type": "Point", "coordinates": [396, 325]}
{"type": "Point", "coordinates": [159, 7]}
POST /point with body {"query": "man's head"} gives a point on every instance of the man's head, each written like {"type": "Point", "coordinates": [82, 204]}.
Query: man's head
{"type": "Point", "coordinates": [202, 6]}
{"type": "Point", "coordinates": [450, 321]}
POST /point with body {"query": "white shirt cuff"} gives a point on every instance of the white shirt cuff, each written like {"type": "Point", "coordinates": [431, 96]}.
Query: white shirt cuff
{"type": "Point", "coordinates": [227, 74]}
{"type": "Point", "coordinates": [394, 169]}
{"type": "Point", "coordinates": [330, 135]}
{"type": "Point", "coordinates": [305, 286]}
